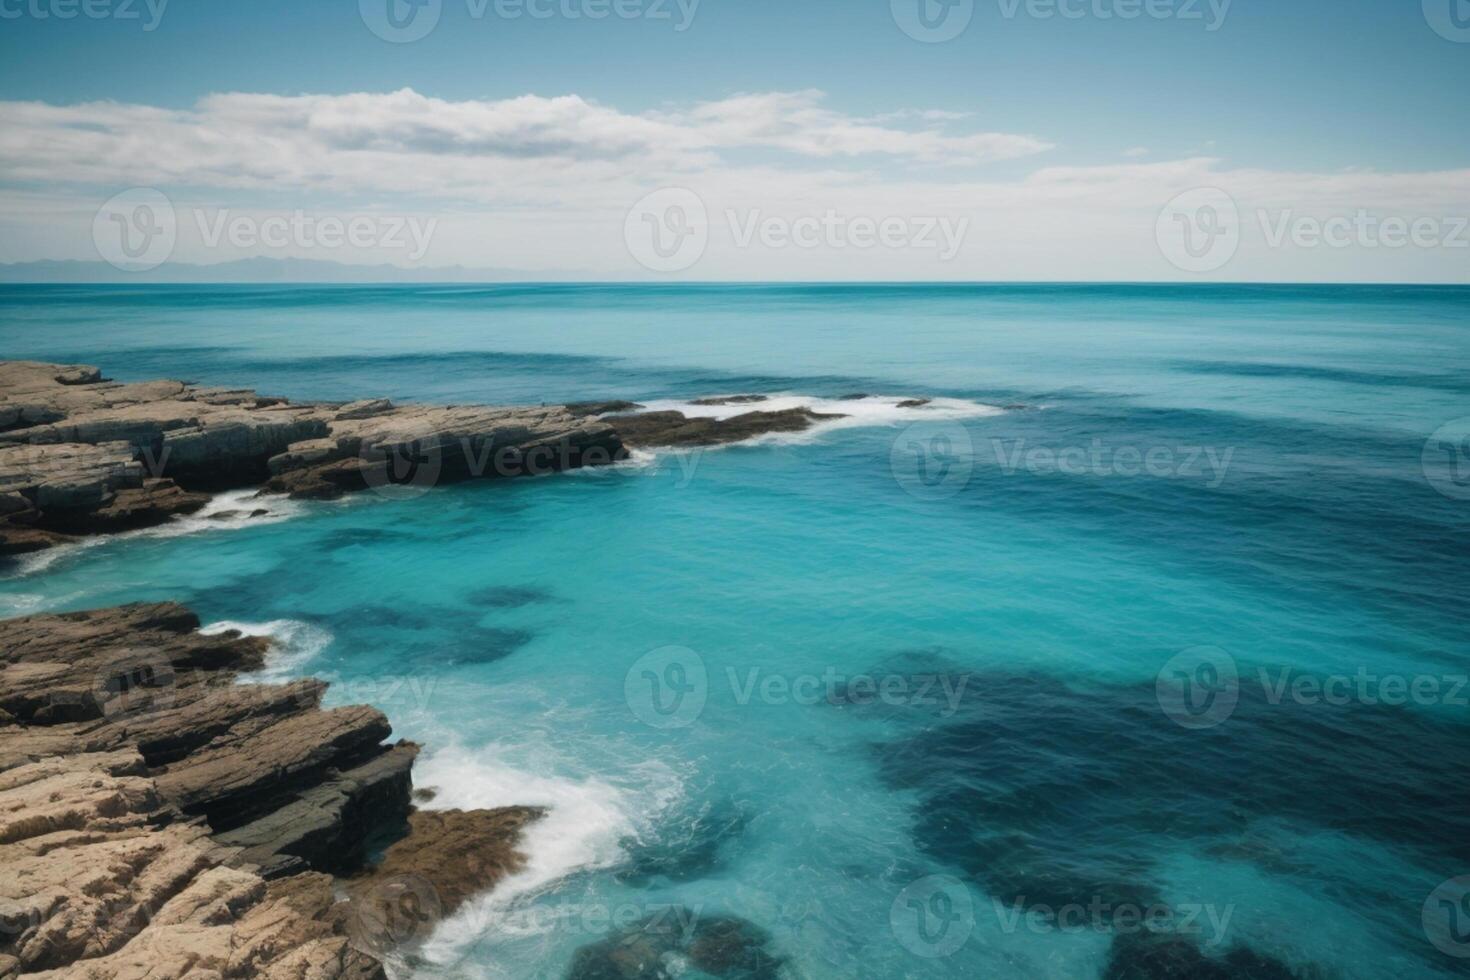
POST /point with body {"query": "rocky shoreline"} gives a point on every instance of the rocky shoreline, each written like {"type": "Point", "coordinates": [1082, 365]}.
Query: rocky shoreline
{"type": "Point", "coordinates": [81, 455]}
{"type": "Point", "coordinates": [158, 818]}
{"type": "Point", "coordinates": [164, 817]}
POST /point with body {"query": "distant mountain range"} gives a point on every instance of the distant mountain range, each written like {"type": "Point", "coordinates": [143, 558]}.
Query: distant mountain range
{"type": "Point", "coordinates": [267, 270]}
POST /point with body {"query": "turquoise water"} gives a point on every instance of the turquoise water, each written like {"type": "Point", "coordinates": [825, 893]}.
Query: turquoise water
{"type": "Point", "coordinates": [1021, 613]}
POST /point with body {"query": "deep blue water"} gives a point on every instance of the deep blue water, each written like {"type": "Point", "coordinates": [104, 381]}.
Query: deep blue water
{"type": "Point", "coordinates": [1262, 478]}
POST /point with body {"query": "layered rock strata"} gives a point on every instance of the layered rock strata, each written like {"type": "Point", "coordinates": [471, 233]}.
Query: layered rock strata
{"type": "Point", "coordinates": [674, 429]}
{"type": "Point", "coordinates": [82, 455]}
{"type": "Point", "coordinates": [160, 819]}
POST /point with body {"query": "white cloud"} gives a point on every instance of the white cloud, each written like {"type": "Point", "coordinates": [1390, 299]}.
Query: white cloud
{"type": "Point", "coordinates": [483, 151]}
{"type": "Point", "coordinates": [545, 183]}
{"type": "Point", "coordinates": [797, 122]}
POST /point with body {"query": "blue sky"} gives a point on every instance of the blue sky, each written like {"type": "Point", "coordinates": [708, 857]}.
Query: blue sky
{"type": "Point", "coordinates": [1304, 87]}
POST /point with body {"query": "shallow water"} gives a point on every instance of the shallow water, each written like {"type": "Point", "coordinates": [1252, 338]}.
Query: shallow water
{"type": "Point", "coordinates": [1241, 469]}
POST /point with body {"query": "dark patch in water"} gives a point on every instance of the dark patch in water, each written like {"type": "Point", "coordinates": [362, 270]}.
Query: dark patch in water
{"type": "Point", "coordinates": [1143, 956]}
{"type": "Point", "coordinates": [690, 845]}
{"type": "Point", "coordinates": [509, 596]}
{"type": "Point", "coordinates": [1292, 491]}
{"type": "Point", "coordinates": [373, 616]}
{"type": "Point", "coordinates": [246, 592]}
{"type": "Point", "coordinates": [1306, 372]}
{"type": "Point", "coordinates": [1048, 794]}
{"type": "Point", "coordinates": [928, 682]}
{"type": "Point", "coordinates": [352, 537]}
{"type": "Point", "coordinates": [658, 947]}
{"type": "Point", "coordinates": [477, 645]}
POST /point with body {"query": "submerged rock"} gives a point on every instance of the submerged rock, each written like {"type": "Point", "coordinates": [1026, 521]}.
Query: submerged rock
{"type": "Point", "coordinates": [475, 645]}
{"type": "Point", "coordinates": [664, 945]}
{"type": "Point", "coordinates": [686, 846]}
{"type": "Point", "coordinates": [509, 596]}
{"type": "Point", "coordinates": [1026, 787]}
{"type": "Point", "coordinates": [1148, 956]}
{"type": "Point", "coordinates": [731, 947]}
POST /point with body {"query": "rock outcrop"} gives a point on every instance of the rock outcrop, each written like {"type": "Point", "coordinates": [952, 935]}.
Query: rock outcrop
{"type": "Point", "coordinates": [732, 400]}
{"type": "Point", "coordinates": [98, 879]}
{"type": "Point", "coordinates": [460, 852]}
{"type": "Point", "coordinates": [581, 409]}
{"type": "Point", "coordinates": [674, 429]}
{"type": "Point", "coordinates": [159, 819]}
{"type": "Point", "coordinates": [83, 455]}
{"type": "Point", "coordinates": [420, 446]}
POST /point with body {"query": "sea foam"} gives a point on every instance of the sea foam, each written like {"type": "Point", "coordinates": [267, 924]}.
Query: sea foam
{"type": "Point", "coordinates": [293, 645]}
{"type": "Point", "coordinates": [640, 462]}
{"type": "Point", "coordinates": [587, 820]}
{"type": "Point", "coordinates": [229, 511]}
{"type": "Point", "coordinates": [870, 411]}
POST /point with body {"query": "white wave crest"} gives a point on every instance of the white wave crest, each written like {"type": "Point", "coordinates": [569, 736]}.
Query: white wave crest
{"type": "Point", "coordinates": [586, 822]}
{"type": "Point", "coordinates": [640, 462]}
{"type": "Point", "coordinates": [21, 604]}
{"type": "Point", "coordinates": [870, 411]}
{"type": "Point", "coordinates": [230, 511]}
{"type": "Point", "coordinates": [293, 645]}
{"type": "Point", "coordinates": [37, 562]}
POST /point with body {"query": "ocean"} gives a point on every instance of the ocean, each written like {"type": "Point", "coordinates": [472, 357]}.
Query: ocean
{"type": "Point", "coordinates": [1159, 604]}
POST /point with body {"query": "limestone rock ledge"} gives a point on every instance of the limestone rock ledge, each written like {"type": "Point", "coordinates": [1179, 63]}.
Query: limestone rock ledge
{"type": "Point", "coordinates": [83, 455]}
{"type": "Point", "coordinates": [159, 819]}
{"type": "Point", "coordinates": [674, 429]}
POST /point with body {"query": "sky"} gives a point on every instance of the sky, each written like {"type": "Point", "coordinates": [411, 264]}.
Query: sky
{"type": "Point", "coordinates": [1141, 140]}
